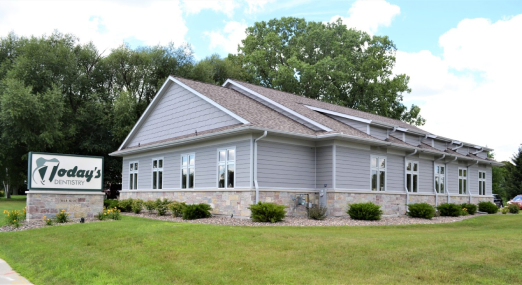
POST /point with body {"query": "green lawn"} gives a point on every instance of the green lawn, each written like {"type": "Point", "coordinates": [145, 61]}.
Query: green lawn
{"type": "Point", "coordinates": [17, 202]}
{"type": "Point", "coordinates": [482, 250]}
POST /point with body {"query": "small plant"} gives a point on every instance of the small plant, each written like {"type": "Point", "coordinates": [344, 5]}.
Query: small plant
{"type": "Point", "coordinates": [317, 213]}
{"type": "Point", "coordinates": [125, 205]}
{"type": "Point", "coordinates": [114, 213]}
{"type": "Point", "coordinates": [150, 206]}
{"type": "Point", "coordinates": [267, 212]}
{"type": "Point", "coordinates": [513, 208]}
{"type": "Point", "coordinates": [137, 206]}
{"type": "Point", "coordinates": [102, 215]}
{"type": "Point", "coordinates": [62, 217]}
{"type": "Point", "coordinates": [504, 210]}
{"type": "Point", "coordinates": [464, 212]}
{"type": "Point", "coordinates": [365, 211]}
{"type": "Point", "coordinates": [47, 221]}
{"type": "Point", "coordinates": [421, 210]}
{"type": "Point", "coordinates": [161, 209]}
{"type": "Point", "coordinates": [14, 217]}
{"type": "Point", "coordinates": [449, 210]}
{"type": "Point", "coordinates": [470, 208]}
{"type": "Point", "coordinates": [176, 208]}
{"type": "Point", "coordinates": [196, 211]}
{"type": "Point", "coordinates": [488, 207]}
{"type": "Point", "coordinates": [110, 203]}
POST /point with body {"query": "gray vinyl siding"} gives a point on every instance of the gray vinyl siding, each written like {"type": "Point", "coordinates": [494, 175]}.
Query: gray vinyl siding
{"type": "Point", "coordinates": [205, 167]}
{"type": "Point", "coordinates": [452, 177]}
{"type": "Point", "coordinates": [179, 112]}
{"type": "Point", "coordinates": [412, 139]}
{"type": "Point", "coordinates": [285, 165]}
{"type": "Point", "coordinates": [324, 167]}
{"type": "Point", "coordinates": [473, 180]}
{"type": "Point", "coordinates": [439, 145]}
{"type": "Point", "coordinates": [363, 127]}
{"type": "Point", "coordinates": [380, 133]}
{"type": "Point", "coordinates": [352, 168]}
{"type": "Point", "coordinates": [426, 176]}
{"type": "Point", "coordinates": [398, 135]}
{"type": "Point", "coordinates": [482, 154]}
{"type": "Point", "coordinates": [489, 180]}
{"type": "Point", "coordinates": [395, 175]}
{"type": "Point", "coordinates": [463, 150]}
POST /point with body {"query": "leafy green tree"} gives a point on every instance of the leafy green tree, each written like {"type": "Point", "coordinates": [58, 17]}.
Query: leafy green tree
{"type": "Point", "coordinates": [328, 62]}
{"type": "Point", "coordinates": [514, 175]}
{"type": "Point", "coordinates": [217, 70]}
{"type": "Point", "coordinates": [498, 177]}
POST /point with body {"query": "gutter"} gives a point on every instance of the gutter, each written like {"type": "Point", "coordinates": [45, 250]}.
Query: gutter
{"type": "Point", "coordinates": [405, 182]}
{"type": "Point", "coordinates": [445, 177]}
{"type": "Point", "coordinates": [467, 175]}
{"type": "Point", "coordinates": [435, 189]}
{"type": "Point", "coordinates": [256, 184]}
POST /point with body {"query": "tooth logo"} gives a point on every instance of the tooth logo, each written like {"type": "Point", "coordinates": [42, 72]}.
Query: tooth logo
{"type": "Point", "coordinates": [45, 170]}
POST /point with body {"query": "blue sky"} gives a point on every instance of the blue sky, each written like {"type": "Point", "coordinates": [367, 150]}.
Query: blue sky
{"type": "Point", "coordinates": [463, 57]}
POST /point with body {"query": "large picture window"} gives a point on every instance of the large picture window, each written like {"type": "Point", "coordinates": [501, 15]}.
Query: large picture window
{"type": "Point", "coordinates": [226, 168]}
{"type": "Point", "coordinates": [412, 176]}
{"type": "Point", "coordinates": [463, 180]}
{"type": "Point", "coordinates": [482, 183]}
{"type": "Point", "coordinates": [188, 167]}
{"type": "Point", "coordinates": [133, 175]}
{"type": "Point", "coordinates": [378, 173]}
{"type": "Point", "coordinates": [440, 173]}
{"type": "Point", "coordinates": [157, 173]}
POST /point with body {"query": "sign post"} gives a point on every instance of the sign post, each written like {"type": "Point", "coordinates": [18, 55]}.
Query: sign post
{"type": "Point", "coordinates": [57, 182]}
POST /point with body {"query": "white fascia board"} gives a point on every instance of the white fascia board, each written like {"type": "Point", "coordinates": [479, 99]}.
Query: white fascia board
{"type": "Point", "coordinates": [160, 93]}
{"type": "Point", "coordinates": [402, 129]}
{"type": "Point", "coordinates": [339, 114]}
{"type": "Point", "coordinates": [271, 102]}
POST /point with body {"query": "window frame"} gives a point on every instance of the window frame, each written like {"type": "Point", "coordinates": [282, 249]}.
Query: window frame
{"type": "Point", "coordinates": [226, 163]}
{"type": "Point", "coordinates": [188, 154]}
{"type": "Point", "coordinates": [379, 169]}
{"type": "Point", "coordinates": [439, 175]}
{"type": "Point", "coordinates": [463, 178]}
{"type": "Point", "coordinates": [152, 172]}
{"type": "Point", "coordinates": [412, 173]}
{"type": "Point", "coordinates": [136, 172]}
{"type": "Point", "coordinates": [482, 182]}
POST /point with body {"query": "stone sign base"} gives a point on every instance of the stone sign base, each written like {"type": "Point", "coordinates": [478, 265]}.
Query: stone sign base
{"type": "Point", "coordinates": [78, 204]}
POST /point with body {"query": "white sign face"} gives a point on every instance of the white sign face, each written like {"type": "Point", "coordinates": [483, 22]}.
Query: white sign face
{"type": "Point", "coordinates": [48, 171]}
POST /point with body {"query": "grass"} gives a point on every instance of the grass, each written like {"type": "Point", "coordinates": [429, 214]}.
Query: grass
{"type": "Point", "coordinates": [482, 250]}
{"type": "Point", "coordinates": [17, 202]}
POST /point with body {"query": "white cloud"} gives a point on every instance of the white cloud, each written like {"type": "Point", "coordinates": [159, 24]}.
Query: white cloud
{"type": "Point", "coordinates": [368, 15]}
{"type": "Point", "coordinates": [255, 6]}
{"type": "Point", "coordinates": [471, 92]}
{"type": "Point", "coordinates": [106, 23]}
{"type": "Point", "coordinates": [226, 7]}
{"type": "Point", "coordinates": [230, 38]}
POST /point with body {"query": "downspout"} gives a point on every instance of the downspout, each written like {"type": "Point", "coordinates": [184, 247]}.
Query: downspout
{"type": "Point", "coordinates": [388, 133]}
{"type": "Point", "coordinates": [457, 147]}
{"type": "Point", "coordinates": [445, 177]}
{"type": "Point", "coordinates": [405, 182]}
{"type": "Point", "coordinates": [467, 183]}
{"type": "Point", "coordinates": [255, 165]}
{"type": "Point", "coordinates": [435, 189]}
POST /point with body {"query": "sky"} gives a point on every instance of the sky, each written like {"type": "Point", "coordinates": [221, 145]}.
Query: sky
{"type": "Point", "coordinates": [463, 56]}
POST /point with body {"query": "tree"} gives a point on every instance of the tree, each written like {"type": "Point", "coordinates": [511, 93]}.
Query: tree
{"type": "Point", "coordinates": [216, 70]}
{"type": "Point", "coordinates": [328, 62]}
{"type": "Point", "coordinates": [498, 177]}
{"type": "Point", "coordinates": [514, 175]}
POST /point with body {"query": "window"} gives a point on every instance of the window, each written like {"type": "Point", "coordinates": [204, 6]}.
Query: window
{"type": "Point", "coordinates": [412, 176]}
{"type": "Point", "coordinates": [482, 183]}
{"type": "Point", "coordinates": [133, 175]}
{"type": "Point", "coordinates": [378, 173]}
{"type": "Point", "coordinates": [157, 173]}
{"type": "Point", "coordinates": [463, 178]}
{"type": "Point", "coordinates": [226, 168]}
{"type": "Point", "coordinates": [188, 166]}
{"type": "Point", "coordinates": [440, 173]}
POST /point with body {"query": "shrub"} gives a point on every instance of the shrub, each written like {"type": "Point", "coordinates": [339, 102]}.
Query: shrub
{"type": "Point", "coordinates": [164, 202]}
{"type": "Point", "coordinates": [161, 209]}
{"type": "Point", "coordinates": [364, 211]}
{"type": "Point", "coordinates": [504, 210]}
{"type": "Point", "coordinates": [62, 217]}
{"type": "Point", "coordinates": [110, 203]}
{"type": "Point", "coordinates": [150, 206]}
{"type": "Point", "coordinates": [487, 207]}
{"type": "Point", "coordinates": [137, 205]}
{"type": "Point", "coordinates": [196, 211]}
{"type": "Point", "coordinates": [464, 212]}
{"type": "Point", "coordinates": [47, 221]}
{"type": "Point", "coordinates": [317, 213]}
{"type": "Point", "coordinates": [470, 208]}
{"type": "Point", "coordinates": [101, 215]}
{"type": "Point", "coordinates": [125, 205]}
{"type": "Point", "coordinates": [449, 210]}
{"type": "Point", "coordinates": [514, 208]}
{"type": "Point", "coordinates": [176, 208]}
{"type": "Point", "coordinates": [113, 213]}
{"type": "Point", "coordinates": [267, 212]}
{"type": "Point", "coordinates": [421, 210]}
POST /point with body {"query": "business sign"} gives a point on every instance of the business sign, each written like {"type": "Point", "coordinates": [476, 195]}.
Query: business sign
{"type": "Point", "coordinates": [51, 171]}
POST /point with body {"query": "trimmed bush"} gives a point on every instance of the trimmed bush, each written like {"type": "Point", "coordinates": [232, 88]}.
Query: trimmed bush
{"type": "Point", "coordinates": [488, 207]}
{"type": "Point", "coordinates": [176, 208]}
{"type": "Point", "coordinates": [514, 208]}
{"type": "Point", "coordinates": [421, 210]}
{"type": "Point", "coordinates": [504, 210]}
{"type": "Point", "coordinates": [317, 213]}
{"type": "Point", "coordinates": [196, 211]}
{"type": "Point", "coordinates": [150, 205]}
{"type": "Point", "coordinates": [161, 206]}
{"type": "Point", "coordinates": [137, 206]}
{"type": "Point", "coordinates": [449, 210]}
{"type": "Point", "coordinates": [365, 211]}
{"type": "Point", "coordinates": [125, 205]}
{"type": "Point", "coordinates": [470, 208]}
{"type": "Point", "coordinates": [110, 203]}
{"type": "Point", "coordinates": [267, 212]}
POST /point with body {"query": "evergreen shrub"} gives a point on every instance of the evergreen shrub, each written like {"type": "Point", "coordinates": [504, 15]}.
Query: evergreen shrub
{"type": "Point", "coordinates": [150, 205]}
{"type": "Point", "coordinates": [470, 208]}
{"type": "Point", "coordinates": [267, 212]}
{"type": "Point", "coordinates": [137, 206]}
{"type": "Point", "coordinates": [421, 210]}
{"type": "Point", "coordinates": [488, 207]}
{"type": "Point", "coordinates": [176, 208]}
{"type": "Point", "coordinates": [449, 210]}
{"type": "Point", "coordinates": [317, 212]}
{"type": "Point", "coordinates": [110, 203]}
{"type": "Point", "coordinates": [364, 211]}
{"type": "Point", "coordinates": [162, 206]}
{"type": "Point", "coordinates": [196, 211]}
{"type": "Point", "coordinates": [514, 208]}
{"type": "Point", "coordinates": [125, 205]}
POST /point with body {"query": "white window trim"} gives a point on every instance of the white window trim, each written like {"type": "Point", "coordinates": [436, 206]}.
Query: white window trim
{"type": "Point", "coordinates": [152, 172]}
{"type": "Point", "coordinates": [134, 172]}
{"type": "Point", "coordinates": [464, 191]}
{"type": "Point", "coordinates": [226, 168]}
{"type": "Point", "coordinates": [188, 154]}
{"type": "Point", "coordinates": [378, 168]}
{"type": "Point", "coordinates": [412, 173]}
{"type": "Point", "coordinates": [482, 180]}
{"type": "Point", "coordinates": [435, 175]}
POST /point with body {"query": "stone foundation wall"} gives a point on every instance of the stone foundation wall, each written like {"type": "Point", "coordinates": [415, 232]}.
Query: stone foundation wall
{"type": "Point", "coordinates": [77, 204]}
